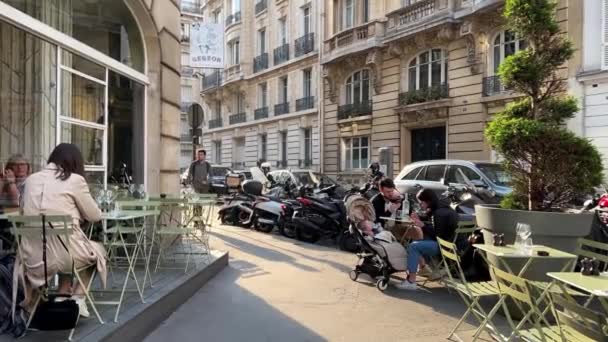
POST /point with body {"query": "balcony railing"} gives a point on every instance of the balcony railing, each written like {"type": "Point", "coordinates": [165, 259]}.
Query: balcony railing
{"type": "Point", "coordinates": [260, 6]}
{"type": "Point", "coordinates": [233, 19]}
{"type": "Point", "coordinates": [191, 7]}
{"type": "Point", "coordinates": [212, 80]}
{"type": "Point", "coordinates": [305, 103]}
{"type": "Point", "coordinates": [281, 54]}
{"type": "Point", "coordinates": [260, 62]}
{"type": "Point", "coordinates": [360, 34]}
{"type": "Point", "coordinates": [260, 113]}
{"type": "Point", "coordinates": [432, 93]}
{"type": "Point", "coordinates": [414, 12]}
{"type": "Point", "coordinates": [354, 110]}
{"type": "Point", "coordinates": [215, 123]}
{"type": "Point", "coordinates": [281, 108]}
{"type": "Point", "coordinates": [304, 44]}
{"type": "Point", "coordinates": [237, 118]}
{"type": "Point", "coordinates": [232, 73]}
{"type": "Point", "coordinates": [493, 86]}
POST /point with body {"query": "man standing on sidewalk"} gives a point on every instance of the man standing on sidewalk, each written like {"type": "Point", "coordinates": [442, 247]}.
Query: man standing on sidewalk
{"type": "Point", "coordinates": [198, 174]}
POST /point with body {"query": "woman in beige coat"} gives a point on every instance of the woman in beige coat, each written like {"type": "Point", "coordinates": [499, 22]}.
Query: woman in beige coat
{"type": "Point", "coordinates": [60, 189]}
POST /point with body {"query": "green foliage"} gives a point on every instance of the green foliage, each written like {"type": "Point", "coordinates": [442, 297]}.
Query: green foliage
{"type": "Point", "coordinates": [511, 202]}
{"type": "Point", "coordinates": [549, 165]}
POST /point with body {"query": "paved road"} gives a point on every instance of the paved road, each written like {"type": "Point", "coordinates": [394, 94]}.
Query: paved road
{"type": "Point", "coordinates": [275, 290]}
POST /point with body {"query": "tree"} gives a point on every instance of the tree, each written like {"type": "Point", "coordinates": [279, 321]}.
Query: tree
{"type": "Point", "coordinates": [548, 164]}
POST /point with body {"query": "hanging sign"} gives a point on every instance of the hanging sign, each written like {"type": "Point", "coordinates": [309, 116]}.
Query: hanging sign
{"type": "Point", "coordinates": [207, 45]}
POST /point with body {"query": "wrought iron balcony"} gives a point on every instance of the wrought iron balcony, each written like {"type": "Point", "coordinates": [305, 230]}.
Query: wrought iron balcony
{"type": "Point", "coordinates": [260, 113]}
{"type": "Point", "coordinates": [215, 123]}
{"type": "Point", "coordinates": [304, 44]}
{"type": "Point", "coordinates": [281, 54]}
{"type": "Point", "coordinates": [191, 7]}
{"type": "Point", "coordinates": [354, 110]}
{"type": "Point", "coordinates": [212, 80]}
{"type": "Point", "coordinates": [493, 86]}
{"type": "Point", "coordinates": [233, 19]}
{"type": "Point", "coordinates": [260, 62]}
{"type": "Point", "coordinates": [305, 103]}
{"type": "Point", "coordinates": [432, 93]}
{"type": "Point", "coordinates": [260, 6]}
{"type": "Point", "coordinates": [237, 118]}
{"type": "Point", "coordinates": [281, 108]}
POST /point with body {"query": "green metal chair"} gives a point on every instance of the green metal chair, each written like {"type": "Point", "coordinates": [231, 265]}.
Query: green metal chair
{"type": "Point", "coordinates": [470, 292]}
{"type": "Point", "coordinates": [577, 323]}
{"type": "Point", "coordinates": [62, 227]}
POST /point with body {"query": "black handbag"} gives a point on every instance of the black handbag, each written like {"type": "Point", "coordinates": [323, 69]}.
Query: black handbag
{"type": "Point", "coordinates": [51, 315]}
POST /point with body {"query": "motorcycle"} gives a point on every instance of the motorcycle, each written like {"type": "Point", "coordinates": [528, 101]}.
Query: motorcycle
{"type": "Point", "coordinates": [272, 209]}
{"type": "Point", "coordinates": [463, 199]}
{"type": "Point", "coordinates": [237, 210]}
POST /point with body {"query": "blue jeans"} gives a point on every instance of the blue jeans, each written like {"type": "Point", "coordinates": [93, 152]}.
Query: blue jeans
{"type": "Point", "coordinates": [425, 248]}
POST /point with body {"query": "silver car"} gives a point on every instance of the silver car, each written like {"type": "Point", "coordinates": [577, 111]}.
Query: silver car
{"type": "Point", "coordinates": [439, 174]}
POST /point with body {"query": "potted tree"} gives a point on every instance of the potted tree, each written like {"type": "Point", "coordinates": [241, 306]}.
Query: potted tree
{"type": "Point", "coordinates": [548, 164]}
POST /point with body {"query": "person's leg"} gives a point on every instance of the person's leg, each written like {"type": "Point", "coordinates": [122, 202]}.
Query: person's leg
{"type": "Point", "coordinates": [417, 250]}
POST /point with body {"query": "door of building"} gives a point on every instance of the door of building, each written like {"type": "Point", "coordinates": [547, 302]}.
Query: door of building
{"type": "Point", "coordinates": [428, 143]}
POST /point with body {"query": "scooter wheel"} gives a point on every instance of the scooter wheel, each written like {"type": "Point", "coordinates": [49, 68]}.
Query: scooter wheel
{"type": "Point", "coordinates": [288, 230]}
{"type": "Point", "coordinates": [354, 275]}
{"type": "Point", "coordinates": [382, 284]}
{"type": "Point", "coordinates": [309, 237]}
{"type": "Point", "coordinates": [264, 228]}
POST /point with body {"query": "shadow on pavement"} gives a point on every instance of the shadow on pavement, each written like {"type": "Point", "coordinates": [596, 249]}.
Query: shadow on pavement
{"type": "Point", "coordinates": [224, 311]}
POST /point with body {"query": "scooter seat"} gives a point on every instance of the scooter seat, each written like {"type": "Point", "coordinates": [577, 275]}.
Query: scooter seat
{"type": "Point", "coordinates": [272, 198]}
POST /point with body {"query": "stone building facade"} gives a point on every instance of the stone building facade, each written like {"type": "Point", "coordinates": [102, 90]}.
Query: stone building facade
{"type": "Point", "coordinates": [101, 74]}
{"type": "Point", "coordinates": [264, 104]}
{"type": "Point", "coordinates": [415, 75]}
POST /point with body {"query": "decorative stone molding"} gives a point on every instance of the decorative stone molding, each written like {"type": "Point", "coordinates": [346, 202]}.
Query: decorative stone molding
{"type": "Point", "coordinates": [423, 112]}
{"type": "Point", "coordinates": [335, 73]}
{"type": "Point", "coordinates": [374, 62]}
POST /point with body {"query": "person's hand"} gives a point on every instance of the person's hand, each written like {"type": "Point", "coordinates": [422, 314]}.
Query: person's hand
{"type": "Point", "coordinates": [393, 207]}
{"type": "Point", "coordinates": [417, 221]}
{"type": "Point", "coordinates": [9, 175]}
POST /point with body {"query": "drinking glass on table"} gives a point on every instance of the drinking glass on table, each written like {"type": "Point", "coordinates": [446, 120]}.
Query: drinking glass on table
{"type": "Point", "coordinates": [523, 236]}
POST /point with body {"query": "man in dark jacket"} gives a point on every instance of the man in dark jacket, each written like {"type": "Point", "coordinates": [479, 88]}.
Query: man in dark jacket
{"type": "Point", "coordinates": [198, 173]}
{"type": "Point", "coordinates": [444, 224]}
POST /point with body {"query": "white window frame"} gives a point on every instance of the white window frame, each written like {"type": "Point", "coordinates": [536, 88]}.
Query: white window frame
{"type": "Point", "coordinates": [263, 95]}
{"type": "Point", "coordinates": [501, 45]}
{"type": "Point", "coordinates": [283, 89]}
{"type": "Point", "coordinates": [307, 142]}
{"type": "Point", "coordinates": [307, 82]}
{"type": "Point", "coordinates": [306, 19]}
{"type": "Point", "coordinates": [283, 31]}
{"type": "Point", "coordinates": [348, 149]}
{"type": "Point", "coordinates": [217, 151]}
{"type": "Point", "coordinates": [350, 86]}
{"type": "Point", "coordinates": [348, 19]}
{"type": "Point", "coordinates": [284, 146]}
{"type": "Point", "coordinates": [604, 49]}
{"type": "Point", "coordinates": [429, 65]}
{"type": "Point", "coordinates": [236, 6]}
{"type": "Point", "coordinates": [262, 46]}
{"type": "Point", "coordinates": [263, 143]}
{"type": "Point", "coordinates": [234, 47]}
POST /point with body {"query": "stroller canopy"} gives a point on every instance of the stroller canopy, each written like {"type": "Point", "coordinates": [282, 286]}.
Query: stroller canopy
{"type": "Point", "coordinates": [359, 209]}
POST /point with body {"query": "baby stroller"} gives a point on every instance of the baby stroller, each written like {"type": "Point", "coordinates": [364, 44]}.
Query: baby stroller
{"type": "Point", "coordinates": [379, 256]}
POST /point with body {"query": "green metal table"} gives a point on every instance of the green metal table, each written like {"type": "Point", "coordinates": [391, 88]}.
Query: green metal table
{"type": "Point", "coordinates": [596, 286]}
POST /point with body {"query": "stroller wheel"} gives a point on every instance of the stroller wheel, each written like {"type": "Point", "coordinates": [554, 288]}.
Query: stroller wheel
{"type": "Point", "coordinates": [353, 275]}
{"type": "Point", "coordinates": [382, 284]}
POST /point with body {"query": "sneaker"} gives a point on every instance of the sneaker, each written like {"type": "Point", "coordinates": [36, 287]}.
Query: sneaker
{"type": "Point", "coordinates": [438, 273]}
{"type": "Point", "coordinates": [407, 285]}
{"type": "Point", "coordinates": [82, 307]}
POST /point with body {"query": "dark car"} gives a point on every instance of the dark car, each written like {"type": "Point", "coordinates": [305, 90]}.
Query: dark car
{"type": "Point", "coordinates": [217, 179]}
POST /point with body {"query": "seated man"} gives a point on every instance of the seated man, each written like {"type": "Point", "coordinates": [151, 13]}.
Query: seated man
{"type": "Point", "coordinates": [386, 204]}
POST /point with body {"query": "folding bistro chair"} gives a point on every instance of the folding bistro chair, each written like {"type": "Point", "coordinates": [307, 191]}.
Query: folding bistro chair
{"type": "Point", "coordinates": [470, 293]}
{"type": "Point", "coordinates": [577, 323]}
{"type": "Point", "coordinates": [184, 225]}
{"type": "Point", "coordinates": [204, 223]}
{"type": "Point", "coordinates": [62, 227]}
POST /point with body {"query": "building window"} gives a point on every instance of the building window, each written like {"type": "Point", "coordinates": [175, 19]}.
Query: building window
{"type": "Point", "coordinates": [261, 41]}
{"type": "Point", "coordinates": [236, 6]}
{"type": "Point", "coordinates": [239, 104]}
{"type": "Point", "coordinates": [283, 89]}
{"type": "Point", "coordinates": [217, 148]}
{"type": "Point", "coordinates": [185, 58]}
{"type": "Point", "coordinates": [428, 69]}
{"type": "Point", "coordinates": [185, 28]}
{"type": "Point", "coordinates": [217, 16]}
{"type": "Point", "coordinates": [263, 147]}
{"type": "Point", "coordinates": [262, 95]}
{"type": "Point", "coordinates": [307, 137]}
{"type": "Point", "coordinates": [365, 11]}
{"type": "Point", "coordinates": [306, 20]}
{"type": "Point", "coordinates": [506, 44]}
{"type": "Point", "coordinates": [283, 31]}
{"type": "Point", "coordinates": [357, 87]}
{"type": "Point", "coordinates": [349, 14]}
{"type": "Point", "coordinates": [234, 49]}
{"type": "Point", "coordinates": [283, 147]}
{"type": "Point", "coordinates": [186, 93]}
{"type": "Point", "coordinates": [218, 110]}
{"type": "Point", "coordinates": [307, 82]}
{"type": "Point", "coordinates": [356, 153]}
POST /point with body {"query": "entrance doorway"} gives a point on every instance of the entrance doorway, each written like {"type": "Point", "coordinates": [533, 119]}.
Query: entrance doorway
{"type": "Point", "coordinates": [428, 143]}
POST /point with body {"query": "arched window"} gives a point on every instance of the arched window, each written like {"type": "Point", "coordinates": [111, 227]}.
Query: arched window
{"type": "Point", "coordinates": [428, 69]}
{"type": "Point", "coordinates": [506, 44]}
{"type": "Point", "coordinates": [357, 87]}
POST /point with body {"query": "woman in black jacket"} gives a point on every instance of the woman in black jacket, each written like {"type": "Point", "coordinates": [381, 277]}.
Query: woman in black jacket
{"type": "Point", "coordinates": [444, 224]}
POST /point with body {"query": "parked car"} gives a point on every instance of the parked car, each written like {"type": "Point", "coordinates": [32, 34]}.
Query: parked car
{"type": "Point", "coordinates": [217, 179]}
{"type": "Point", "coordinates": [439, 174]}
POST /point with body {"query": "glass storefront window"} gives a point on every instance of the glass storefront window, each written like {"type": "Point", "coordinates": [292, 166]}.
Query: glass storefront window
{"type": "Point", "coordinates": [82, 98]}
{"type": "Point", "coordinates": [28, 96]}
{"type": "Point", "coordinates": [89, 141]}
{"type": "Point", "coordinates": [105, 25]}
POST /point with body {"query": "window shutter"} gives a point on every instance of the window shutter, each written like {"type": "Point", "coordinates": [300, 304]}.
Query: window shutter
{"type": "Point", "coordinates": [604, 34]}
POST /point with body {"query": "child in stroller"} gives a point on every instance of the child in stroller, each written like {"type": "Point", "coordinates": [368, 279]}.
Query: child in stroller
{"type": "Point", "coordinates": [381, 255]}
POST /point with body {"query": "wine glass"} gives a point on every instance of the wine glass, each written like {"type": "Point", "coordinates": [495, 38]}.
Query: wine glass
{"type": "Point", "coordinates": [142, 191]}
{"type": "Point", "coordinates": [132, 190]}
{"type": "Point", "coordinates": [523, 233]}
